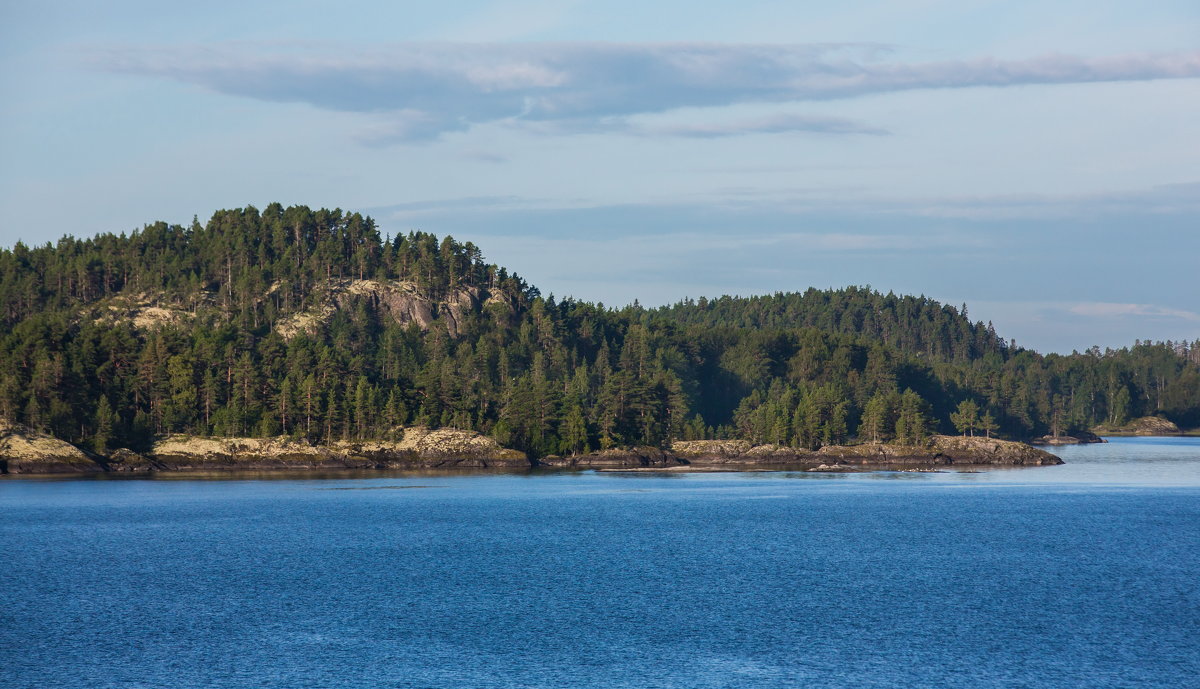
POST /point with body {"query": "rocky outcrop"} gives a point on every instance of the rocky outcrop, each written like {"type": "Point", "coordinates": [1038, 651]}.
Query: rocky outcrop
{"type": "Point", "coordinates": [738, 452]}
{"type": "Point", "coordinates": [440, 448]}
{"type": "Point", "coordinates": [991, 451]}
{"type": "Point", "coordinates": [125, 460]}
{"type": "Point", "coordinates": [1147, 425]}
{"type": "Point", "coordinates": [397, 301]}
{"type": "Point", "coordinates": [615, 458]}
{"type": "Point", "coordinates": [419, 447]}
{"type": "Point", "coordinates": [26, 451]}
{"type": "Point", "coordinates": [195, 453]}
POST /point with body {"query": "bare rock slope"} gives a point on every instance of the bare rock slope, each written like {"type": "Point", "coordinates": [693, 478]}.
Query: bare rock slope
{"type": "Point", "coordinates": [26, 451]}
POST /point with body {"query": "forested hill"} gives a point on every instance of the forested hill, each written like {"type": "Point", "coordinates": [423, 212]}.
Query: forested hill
{"type": "Point", "coordinates": [916, 325]}
{"type": "Point", "coordinates": [306, 323]}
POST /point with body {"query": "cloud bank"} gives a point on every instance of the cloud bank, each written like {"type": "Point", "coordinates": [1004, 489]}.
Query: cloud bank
{"type": "Point", "coordinates": [428, 89]}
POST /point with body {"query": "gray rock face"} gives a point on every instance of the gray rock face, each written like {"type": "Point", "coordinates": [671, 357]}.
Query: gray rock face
{"type": "Point", "coordinates": [397, 301]}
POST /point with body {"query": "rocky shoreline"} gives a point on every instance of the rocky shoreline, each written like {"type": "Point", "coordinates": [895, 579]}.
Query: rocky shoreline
{"type": "Point", "coordinates": [739, 455]}
{"type": "Point", "coordinates": [1077, 438]}
{"type": "Point", "coordinates": [23, 451]}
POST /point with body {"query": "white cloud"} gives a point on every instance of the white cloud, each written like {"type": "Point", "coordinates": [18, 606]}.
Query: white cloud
{"type": "Point", "coordinates": [433, 88]}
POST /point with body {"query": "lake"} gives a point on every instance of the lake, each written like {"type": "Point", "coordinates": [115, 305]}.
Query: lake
{"type": "Point", "coordinates": [1081, 575]}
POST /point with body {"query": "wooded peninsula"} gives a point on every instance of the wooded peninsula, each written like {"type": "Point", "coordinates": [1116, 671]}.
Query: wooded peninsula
{"type": "Point", "coordinates": [308, 327]}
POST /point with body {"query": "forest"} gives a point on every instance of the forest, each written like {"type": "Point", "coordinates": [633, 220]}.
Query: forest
{"type": "Point", "coordinates": [114, 340]}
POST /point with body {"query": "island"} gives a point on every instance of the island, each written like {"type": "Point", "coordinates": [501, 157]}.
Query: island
{"type": "Point", "coordinates": [289, 337]}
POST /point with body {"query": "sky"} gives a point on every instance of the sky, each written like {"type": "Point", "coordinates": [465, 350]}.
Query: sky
{"type": "Point", "coordinates": [1038, 161]}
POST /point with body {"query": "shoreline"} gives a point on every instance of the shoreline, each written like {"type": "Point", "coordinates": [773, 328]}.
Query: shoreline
{"type": "Point", "coordinates": [27, 452]}
{"type": "Point", "coordinates": [323, 473]}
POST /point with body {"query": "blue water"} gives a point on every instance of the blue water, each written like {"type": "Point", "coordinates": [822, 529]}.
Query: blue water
{"type": "Point", "coordinates": [1084, 575]}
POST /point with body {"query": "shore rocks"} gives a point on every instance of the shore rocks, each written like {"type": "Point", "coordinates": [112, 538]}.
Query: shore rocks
{"type": "Point", "coordinates": [26, 451]}
{"type": "Point", "coordinates": [614, 458]}
{"type": "Point", "coordinates": [991, 452]}
{"type": "Point", "coordinates": [707, 453]}
{"type": "Point", "coordinates": [195, 453]}
{"type": "Point", "coordinates": [1080, 438]}
{"type": "Point", "coordinates": [419, 447]}
{"type": "Point", "coordinates": [440, 448]}
{"type": "Point", "coordinates": [941, 450]}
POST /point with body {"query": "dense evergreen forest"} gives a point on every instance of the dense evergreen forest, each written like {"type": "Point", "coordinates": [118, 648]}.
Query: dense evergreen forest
{"type": "Point", "coordinates": [110, 341]}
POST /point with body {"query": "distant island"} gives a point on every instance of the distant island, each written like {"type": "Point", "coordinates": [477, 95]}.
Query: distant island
{"type": "Point", "coordinates": [308, 330]}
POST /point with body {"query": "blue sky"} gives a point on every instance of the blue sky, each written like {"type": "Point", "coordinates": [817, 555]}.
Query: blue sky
{"type": "Point", "coordinates": [1039, 161]}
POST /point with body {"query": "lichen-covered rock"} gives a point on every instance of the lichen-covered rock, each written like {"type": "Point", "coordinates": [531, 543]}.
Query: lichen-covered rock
{"type": "Point", "coordinates": [186, 452]}
{"type": "Point", "coordinates": [147, 310]}
{"type": "Point", "coordinates": [26, 451]}
{"type": "Point", "coordinates": [443, 447]}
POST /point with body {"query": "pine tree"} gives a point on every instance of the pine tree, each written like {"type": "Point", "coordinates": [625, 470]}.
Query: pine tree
{"type": "Point", "coordinates": [105, 422]}
{"type": "Point", "coordinates": [574, 431]}
{"type": "Point", "coordinates": [966, 419]}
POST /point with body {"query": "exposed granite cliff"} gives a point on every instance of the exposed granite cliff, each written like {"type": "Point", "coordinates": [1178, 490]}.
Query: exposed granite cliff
{"type": "Point", "coordinates": [394, 300]}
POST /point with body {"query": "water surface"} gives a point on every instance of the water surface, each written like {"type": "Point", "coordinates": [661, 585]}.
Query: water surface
{"type": "Point", "coordinates": [1081, 575]}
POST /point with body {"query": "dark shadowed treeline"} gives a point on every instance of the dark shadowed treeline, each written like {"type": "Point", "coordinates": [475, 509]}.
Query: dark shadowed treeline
{"type": "Point", "coordinates": [539, 374]}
